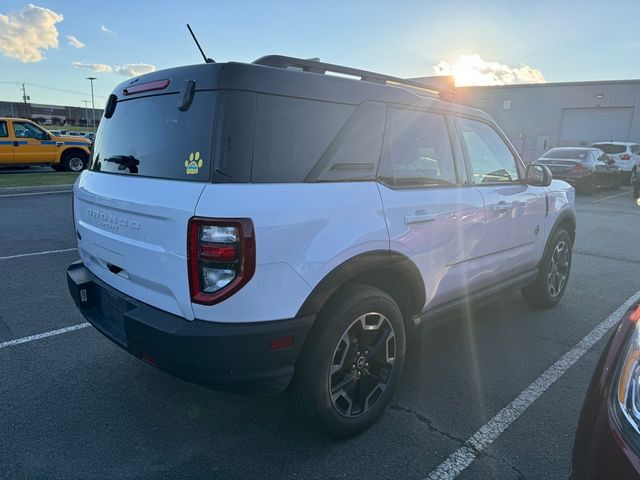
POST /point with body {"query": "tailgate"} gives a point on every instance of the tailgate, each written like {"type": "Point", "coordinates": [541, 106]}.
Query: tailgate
{"type": "Point", "coordinates": [132, 234]}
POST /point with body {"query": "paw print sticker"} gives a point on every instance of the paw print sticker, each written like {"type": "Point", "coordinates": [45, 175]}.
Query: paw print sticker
{"type": "Point", "coordinates": [194, 163]}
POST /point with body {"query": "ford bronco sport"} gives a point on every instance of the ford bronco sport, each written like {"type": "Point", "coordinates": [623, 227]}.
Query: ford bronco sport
{"type": "Point", "coordinates": [261, 227]}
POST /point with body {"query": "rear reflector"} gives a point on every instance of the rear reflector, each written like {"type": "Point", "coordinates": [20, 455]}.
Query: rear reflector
{"type": "Point", "coordinates": [147, 87]}
{"type": "Point", "coordinates": [282, 342]}
{"type": "Point", "coordinates": [150, 359]}
{"type": "Point", "coordinates": [218, 252]}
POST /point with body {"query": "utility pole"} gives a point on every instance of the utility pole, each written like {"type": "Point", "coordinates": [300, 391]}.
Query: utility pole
{"type": "Point", "coordinates": [86, 112]}
{"type": "Point", "coordinates": [25, 98]}
{"type": "Point", "coordinates": [93, 105]}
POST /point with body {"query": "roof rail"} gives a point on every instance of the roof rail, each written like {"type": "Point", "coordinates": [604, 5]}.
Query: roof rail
{"type": "Point", "coordinates": [314, 66]}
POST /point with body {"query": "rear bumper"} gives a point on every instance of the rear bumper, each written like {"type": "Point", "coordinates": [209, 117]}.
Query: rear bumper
{"type": "Point", "coordinates": [222, 356]}
{"type": "Point", "coordinates": [581, 181]}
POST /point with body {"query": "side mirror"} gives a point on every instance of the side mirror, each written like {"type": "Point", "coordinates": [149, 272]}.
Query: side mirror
{"type": "Point", "coordinates": [539, 175]}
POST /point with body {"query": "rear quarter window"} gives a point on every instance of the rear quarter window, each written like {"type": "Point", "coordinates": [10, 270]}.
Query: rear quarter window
{"type": "Point", "coordinates": [291, 134]}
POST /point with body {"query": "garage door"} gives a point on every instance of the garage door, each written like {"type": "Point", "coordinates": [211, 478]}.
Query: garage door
{"type": "Point", "coordinates": [583, 126]}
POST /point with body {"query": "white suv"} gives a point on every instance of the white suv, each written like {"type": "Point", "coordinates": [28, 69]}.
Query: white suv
{"type": "Point", "coordinates": [255, 227]}
{"type": "Point", "coordinates": [626, 155]}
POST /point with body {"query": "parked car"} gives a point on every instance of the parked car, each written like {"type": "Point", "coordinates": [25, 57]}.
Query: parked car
{"type": "Point", "coordinates": [585, 168]}
{"type": "Point", "coordinates": [626, 155]}
{"type": "Point", "coordinates": [25, 143]}
{"type": "Point", "coordinates": [90, 135]}
{"type": "Point", "coordinates": [295, 240]}
{"type": "Point", "coordinates": [607, 442]}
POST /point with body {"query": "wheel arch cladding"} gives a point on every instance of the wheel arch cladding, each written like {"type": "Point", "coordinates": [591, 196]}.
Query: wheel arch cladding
{"type": "Point", "coordinates": [391, 272]}
{"type": "Point", "coordinates": [567, 221]}
{"type": "Point", "coordinates": [74, 150]}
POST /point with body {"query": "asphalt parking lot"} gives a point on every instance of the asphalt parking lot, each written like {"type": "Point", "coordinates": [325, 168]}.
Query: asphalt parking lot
{"type": "Point", "coordinates": [74, 405]}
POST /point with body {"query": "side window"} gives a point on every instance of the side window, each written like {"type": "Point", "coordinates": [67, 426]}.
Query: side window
{"type": "Point", "coordinates": [291, 135]}
{"type": "Point", "coordinates": [27, 130]}
{"type": "Point", "coordinates": [3, 129]}
{"type": "Point", "coordinates": [489, 157]}
{"type": "Point", "coordinates": [635, 149]}
{"type": "Point", "coordinates": [354, 153]}
{"type": "Point", "coordinates": [418, 151]}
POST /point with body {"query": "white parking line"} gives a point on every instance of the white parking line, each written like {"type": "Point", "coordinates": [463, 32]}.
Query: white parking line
{"type": "Point", "coordinates": [34, 193]}
{"type": "Point", "coordinates": [37, 253]}
{"type": "Point", "coordinates": [459, 460]}
{"type": "Point", "coordinates": [39, 336]}
{"type": "Point", "coordinates": [611, 196]}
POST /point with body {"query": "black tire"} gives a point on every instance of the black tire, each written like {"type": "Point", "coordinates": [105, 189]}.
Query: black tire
{"type": "Point", "coordinates": [617, 183]}
{"type": "Point", "coordinates": [541, 293]}
{"type": "Point", "coordinates": [332, 344]}
{"type": "Point", "coordinates": [586, 187]}
{"type": "Point", "coordinates": [632, 175]}
{"type": "Point", "coordinates": [73, 161]}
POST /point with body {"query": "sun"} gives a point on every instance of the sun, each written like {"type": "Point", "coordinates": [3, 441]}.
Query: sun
{"type": "Point", "coordinates": [473, 70]}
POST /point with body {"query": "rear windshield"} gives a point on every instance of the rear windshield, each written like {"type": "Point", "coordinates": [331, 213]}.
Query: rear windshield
{"type": "Point", "coordinates": [572, 154]}
{"type": "Point", "coordinates": [151, 137]}
{"type": "Point", "coordinates": [610, 148]}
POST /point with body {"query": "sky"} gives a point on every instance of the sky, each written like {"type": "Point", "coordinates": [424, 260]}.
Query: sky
{"type": "Point", "coordinates": [52, 46]}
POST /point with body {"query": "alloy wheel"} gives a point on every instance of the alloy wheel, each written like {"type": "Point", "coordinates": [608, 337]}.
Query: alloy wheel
{"type": "Point", "coordinates": [362, 364]}
{"type": "Point", "coordinates": [559, 269]}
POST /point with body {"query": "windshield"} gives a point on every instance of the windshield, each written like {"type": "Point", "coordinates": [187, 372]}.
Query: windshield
{"type": "Point", "coordinates": [610, 148]}
{"type": "Point", "coordinates": [151, 137]}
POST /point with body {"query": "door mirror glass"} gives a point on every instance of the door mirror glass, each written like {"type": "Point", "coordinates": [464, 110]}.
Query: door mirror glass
{"type": "Point", "coordinates": [539, 175]}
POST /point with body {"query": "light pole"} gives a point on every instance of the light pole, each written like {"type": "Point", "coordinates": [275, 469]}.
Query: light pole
{"type": "Point", "coordinates": [93, 105]}
{"type": "Point", "coordinates": [86, 112]}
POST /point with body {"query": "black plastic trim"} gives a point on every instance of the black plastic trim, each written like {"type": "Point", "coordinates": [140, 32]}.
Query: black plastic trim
{"type": "Point", "coordinates": [222, 356]}
{"type": "Point", "coordinates": [365, 262]}
{"type": "Point", "coordinates": [513, 283]}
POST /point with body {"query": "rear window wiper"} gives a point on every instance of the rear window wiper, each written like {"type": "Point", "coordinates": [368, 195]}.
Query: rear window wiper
{"type": "Point", "coordinates": [125, 161]}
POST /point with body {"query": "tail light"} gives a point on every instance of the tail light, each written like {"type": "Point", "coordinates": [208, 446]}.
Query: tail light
{"type": "Point", "coordinates": [221, 255]}
{"type": "Point", "coordinates": [625, 156]}
{"type": "Point", "coordinates": [579, 168]}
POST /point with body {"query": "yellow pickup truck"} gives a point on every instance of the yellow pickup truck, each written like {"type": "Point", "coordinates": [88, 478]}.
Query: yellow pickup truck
{"type": "Point", "coordinates": [23, 142]}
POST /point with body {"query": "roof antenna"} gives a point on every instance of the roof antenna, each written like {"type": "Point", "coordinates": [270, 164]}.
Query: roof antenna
{"type": "Point", "coordinates": [206, 59]}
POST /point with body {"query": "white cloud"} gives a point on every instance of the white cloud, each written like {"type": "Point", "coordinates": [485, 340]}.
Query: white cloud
{"type": "Point", "coordinates": [73, 41]}
{"type": "Point", "coordinates": [106, 30]}
{"type": "Point", "coordinates": [134, 69]}
{"type": "Point", "coordinates": [24, 34]}
{"type": "Point", "coordinates": [474, 70]}
{"type": "Point", "coordinates": [126, 70]}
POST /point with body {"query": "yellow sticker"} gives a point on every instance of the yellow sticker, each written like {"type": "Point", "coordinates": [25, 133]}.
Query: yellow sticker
{"type": "Point", "coordinates": [194, 163]}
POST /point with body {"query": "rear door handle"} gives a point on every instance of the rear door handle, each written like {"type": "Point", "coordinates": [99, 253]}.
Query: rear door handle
{"type": "Point", "coordinates": [16, 144]}
{"type": "Point", "coordinates": [501, 207]}
{"type": "Point", "coordinates": [419, 218]}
